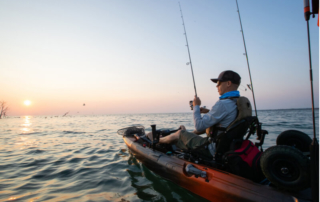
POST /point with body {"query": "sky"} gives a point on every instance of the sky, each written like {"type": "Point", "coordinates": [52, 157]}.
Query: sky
{"type": "Point", "coordinates": [125, 56]}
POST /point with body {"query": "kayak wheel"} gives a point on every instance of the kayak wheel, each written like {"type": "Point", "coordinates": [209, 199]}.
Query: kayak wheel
{"type": "Point", "coordinates": [295, 139]}
{"type": "Point", "coordinates": [286, 167]}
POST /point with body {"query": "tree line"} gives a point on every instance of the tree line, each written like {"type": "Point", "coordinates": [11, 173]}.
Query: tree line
{"type": "Point", "coordinates": [3, 109]}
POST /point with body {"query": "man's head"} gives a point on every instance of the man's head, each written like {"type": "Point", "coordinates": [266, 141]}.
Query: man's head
{"type": "Point", "coordinates": [227, 81]}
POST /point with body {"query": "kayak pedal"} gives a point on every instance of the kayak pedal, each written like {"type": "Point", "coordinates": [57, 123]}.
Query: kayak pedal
{"type": "Point", "coordinates": [190, 169]}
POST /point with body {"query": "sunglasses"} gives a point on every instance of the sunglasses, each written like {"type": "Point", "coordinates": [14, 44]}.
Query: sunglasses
{"type": "Point", "coordinates": [219, 83]}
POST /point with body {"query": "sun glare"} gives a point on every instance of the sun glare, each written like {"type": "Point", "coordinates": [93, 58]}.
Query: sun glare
{"type": "Point", "coordinates": [27, 102]}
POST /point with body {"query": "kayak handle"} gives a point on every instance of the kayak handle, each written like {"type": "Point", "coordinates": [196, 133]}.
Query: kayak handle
{"type": "Point", "coordinates": [190, 169]}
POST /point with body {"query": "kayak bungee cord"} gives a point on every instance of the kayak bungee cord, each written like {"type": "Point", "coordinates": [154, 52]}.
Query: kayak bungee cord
{"type": "Point", "coordinates": [245, 49]}
{"type": "Point", "coordinates": [185, 33]}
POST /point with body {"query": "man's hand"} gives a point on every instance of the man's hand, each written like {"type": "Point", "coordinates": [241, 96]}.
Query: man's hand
{"type": "Point", "coordinates": [196, 101]}
{"type": "Point", "coordinates": [204, 110]}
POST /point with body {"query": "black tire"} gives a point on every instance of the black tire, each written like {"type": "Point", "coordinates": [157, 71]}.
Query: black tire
{"type": "Point", "coordinates": [295, 139]}
{"type": "Point", "coordinates": [286, 167]}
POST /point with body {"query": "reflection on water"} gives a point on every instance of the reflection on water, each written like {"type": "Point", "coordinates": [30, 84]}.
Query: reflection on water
{"type": "Point", "coordinates": [26, 125]}
{"type": "Point", "coordinates": [83, 159]}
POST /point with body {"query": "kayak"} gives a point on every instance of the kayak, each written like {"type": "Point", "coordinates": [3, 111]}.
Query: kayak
{"type": "Point", "coordinates": [208, 182]}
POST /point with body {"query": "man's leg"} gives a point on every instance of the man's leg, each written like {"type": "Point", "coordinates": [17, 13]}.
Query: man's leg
{"type": "Point", "coordinates": [185, 140]}
{"type": "Point", "coordinates": [170, 139]}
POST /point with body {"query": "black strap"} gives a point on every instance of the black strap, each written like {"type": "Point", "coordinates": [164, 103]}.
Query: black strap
{"type": "Point", "coordinates": [235, 125]}
{"type": "Point", "coordinates": [231, 98]}
{"type": "Point", "coordinates": [255, 163]}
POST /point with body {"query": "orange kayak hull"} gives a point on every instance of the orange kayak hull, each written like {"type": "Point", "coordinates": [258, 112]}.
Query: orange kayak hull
{"type": "Point", "coordinates": [217, 186]}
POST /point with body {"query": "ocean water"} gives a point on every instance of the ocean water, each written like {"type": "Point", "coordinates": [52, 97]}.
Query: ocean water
{"type": "Point", "coordinates": [81, 158]}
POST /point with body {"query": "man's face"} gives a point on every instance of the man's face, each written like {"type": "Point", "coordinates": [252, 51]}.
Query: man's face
{"type": "Point", "coordinates": [223, 86]}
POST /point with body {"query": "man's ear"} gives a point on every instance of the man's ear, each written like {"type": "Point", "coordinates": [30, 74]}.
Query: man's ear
{"type": "Point", "coordinates": [229, 83]}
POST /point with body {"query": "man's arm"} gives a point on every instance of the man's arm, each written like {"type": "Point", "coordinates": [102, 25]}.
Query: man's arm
{"type": "Point", "coordinates": [204, 110]}
{"type": "Point", "coordinates": [214, 116]}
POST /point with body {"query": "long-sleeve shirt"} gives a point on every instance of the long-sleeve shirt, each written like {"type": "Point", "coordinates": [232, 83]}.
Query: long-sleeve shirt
{"type": "Point", "coordinates": [222, 113]}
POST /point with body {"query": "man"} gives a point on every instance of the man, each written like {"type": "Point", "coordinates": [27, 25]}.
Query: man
{"type": "Point", "coordinates": [221, 114]}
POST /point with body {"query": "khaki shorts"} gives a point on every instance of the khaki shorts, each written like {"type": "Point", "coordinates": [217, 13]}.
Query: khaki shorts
{"type": "Point", "coordinates": [189, 140]}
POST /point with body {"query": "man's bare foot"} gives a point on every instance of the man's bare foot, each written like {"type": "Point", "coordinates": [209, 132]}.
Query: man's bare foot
{"type": "Point", "coordinates": [182, 127]}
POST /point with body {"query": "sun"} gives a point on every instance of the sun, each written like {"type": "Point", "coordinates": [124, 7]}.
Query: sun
{"type": "Point", "coordinates": [27, 102]}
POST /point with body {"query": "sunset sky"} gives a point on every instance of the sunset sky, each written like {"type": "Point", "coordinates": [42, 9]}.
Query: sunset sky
{"type": "Point", "coordinates": [129, 56]}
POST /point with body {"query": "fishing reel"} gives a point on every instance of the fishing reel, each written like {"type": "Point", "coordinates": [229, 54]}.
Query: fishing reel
{"type": "Point", "coordinates": [191, 104]}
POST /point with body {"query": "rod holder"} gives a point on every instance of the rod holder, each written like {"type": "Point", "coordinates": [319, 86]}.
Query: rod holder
{"type": "Point", "coordinates": [155, 136]}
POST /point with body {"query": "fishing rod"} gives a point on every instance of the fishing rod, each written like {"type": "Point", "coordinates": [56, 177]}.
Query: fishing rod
{"type": "Point", "coordinates": [314, 147]}
{"type": "Point", "coordinates": [245, 49]}
{"type": "Point", "coordinates": [307, 17]}
{"type": "Point", "coordinates": [185, 33]}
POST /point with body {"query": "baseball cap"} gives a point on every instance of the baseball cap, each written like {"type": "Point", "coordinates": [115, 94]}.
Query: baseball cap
{"type": "Point", "coordinates": [228, 76]}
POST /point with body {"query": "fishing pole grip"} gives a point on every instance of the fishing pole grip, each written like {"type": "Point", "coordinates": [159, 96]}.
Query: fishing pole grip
{"type": "Point", "coordinates": [306, 9]}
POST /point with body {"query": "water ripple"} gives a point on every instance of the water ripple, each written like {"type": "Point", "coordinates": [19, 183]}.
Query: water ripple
{"type": "Point", "coordinates": [36, 151]}
{"type": "Point", "coordinates": [73, 132]}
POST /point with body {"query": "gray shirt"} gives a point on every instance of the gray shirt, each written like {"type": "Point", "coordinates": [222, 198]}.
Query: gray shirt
{"type": "Point", "coordinates": [223, 113]}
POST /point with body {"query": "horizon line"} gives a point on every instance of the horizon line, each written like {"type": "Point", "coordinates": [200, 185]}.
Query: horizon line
{"type": "Point", "coordinates": [156, 112]}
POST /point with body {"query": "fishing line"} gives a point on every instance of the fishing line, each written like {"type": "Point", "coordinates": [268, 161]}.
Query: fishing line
{"type": "Point", "coordinates": [185, 33]}
{"type": "Point", "coordinates": [245, 49]}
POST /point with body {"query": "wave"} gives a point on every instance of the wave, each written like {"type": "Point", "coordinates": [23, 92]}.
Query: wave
{"type": "Point", "coordinates": [72, 132]}
{"type": "Point", "coordinates": [36, 151]}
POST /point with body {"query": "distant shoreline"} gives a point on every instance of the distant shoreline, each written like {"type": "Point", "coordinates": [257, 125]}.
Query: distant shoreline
{"type": "Point", "coordinates": [60, 115]}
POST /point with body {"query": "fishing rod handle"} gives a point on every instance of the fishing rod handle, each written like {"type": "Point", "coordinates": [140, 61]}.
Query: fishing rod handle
{"type": "Point", "coordinates": [306, 9]}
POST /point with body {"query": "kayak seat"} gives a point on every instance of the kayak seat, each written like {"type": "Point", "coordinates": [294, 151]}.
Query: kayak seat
{"type": "Point", "coordinates": [232, 137]}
